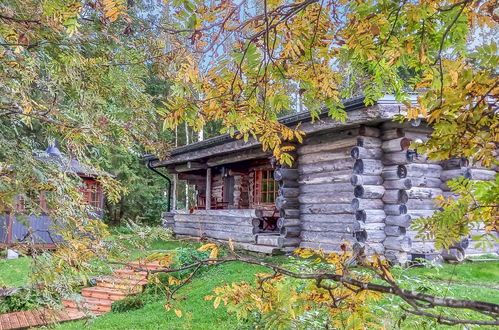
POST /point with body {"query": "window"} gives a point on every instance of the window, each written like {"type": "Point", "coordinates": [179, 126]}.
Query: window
{"type": "Point", "coordinates": [265, 187]}
{"type": "Point", "coordinates": [92, 193]}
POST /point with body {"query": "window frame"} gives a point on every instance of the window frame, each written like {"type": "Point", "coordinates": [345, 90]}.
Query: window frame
{"type": "Point", "coordinates": [265, 187]}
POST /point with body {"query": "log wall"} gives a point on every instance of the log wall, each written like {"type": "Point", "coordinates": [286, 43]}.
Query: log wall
{"type": "Point", "coordinates": [325, 169]}
{"type": "Point", "coordinates": [217, 224]}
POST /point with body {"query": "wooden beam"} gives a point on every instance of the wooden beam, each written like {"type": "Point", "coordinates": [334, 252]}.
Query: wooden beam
{"type": "Point", "coordinates": [189, 166]}
{"type": "Point", "coordinates": [208, 188]}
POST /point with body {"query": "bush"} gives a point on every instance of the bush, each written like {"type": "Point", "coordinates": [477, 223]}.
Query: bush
{"type": "Point", "coordinates": [22, 300]}
{"type": "Point", "coordinates": [130, 303]}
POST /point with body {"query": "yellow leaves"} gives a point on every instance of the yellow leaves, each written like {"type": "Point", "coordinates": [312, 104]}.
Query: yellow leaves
{"type": "Point", "coordinates": [210, 246]}
{"type": "Point", "coordinates": [216, 302]}
{"type": "Point", "coordinates": [209, 297]}
{"type": "Point", "coordinates": [178, 312]}
{"type": "Point", "coordinates": [304, 252]}
{"type": "Point", "coordinates": [113, 9]}
{"type": "Point", "coordinates": [231, 244]}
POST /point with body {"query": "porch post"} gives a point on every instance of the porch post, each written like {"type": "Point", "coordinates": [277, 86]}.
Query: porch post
{"type": "Point", "coordinates": [208, 188]}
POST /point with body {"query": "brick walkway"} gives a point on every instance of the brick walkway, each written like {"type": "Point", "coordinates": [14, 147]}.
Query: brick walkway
{"type": "Point", "coordinates": [96, 300]}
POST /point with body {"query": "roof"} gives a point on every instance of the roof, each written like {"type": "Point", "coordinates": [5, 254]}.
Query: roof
{"type": "Point", "coordinates": [350, 105]}
{"type": "Point", "coordinates": [68, 165]}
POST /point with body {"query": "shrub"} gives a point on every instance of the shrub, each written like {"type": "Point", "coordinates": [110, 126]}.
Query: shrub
{"type": "Point", "coordinates": [130, 303]}
{"type": "Point", "coordinates": [22, 300]}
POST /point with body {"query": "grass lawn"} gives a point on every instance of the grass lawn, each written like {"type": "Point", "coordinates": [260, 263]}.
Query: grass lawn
{"type": "Point", "coordinates": [14, 272]}
{"type": "Point", "coordinates": [468, 280]}
{"type": "Point", "coordinates": [477, 280]}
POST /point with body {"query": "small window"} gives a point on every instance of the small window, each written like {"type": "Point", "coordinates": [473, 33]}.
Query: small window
{"type": "Point", "coordinates": [92, 193]}
{"type": "Point", "coordinates": [265, 187]}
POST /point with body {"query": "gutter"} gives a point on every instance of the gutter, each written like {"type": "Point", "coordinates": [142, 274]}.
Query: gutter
{"type": "Point", "coordinates": [168, 183]}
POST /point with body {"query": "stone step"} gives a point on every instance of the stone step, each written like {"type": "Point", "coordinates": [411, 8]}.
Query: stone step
{"type": "Point", "coordinates": [130, 274]}
{"type": "Point", "coordinates": [89, 304]}
{"type": "Point", "coordinates": [120, 283]}
{"type": "Point", "coordinates": [270, 240]}
{"type": "Point", "coordinates": [104, 293]}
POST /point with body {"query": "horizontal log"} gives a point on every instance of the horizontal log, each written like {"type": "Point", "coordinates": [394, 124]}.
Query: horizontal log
{"type": "Point", "coordinates": [363, 153]}
{"type": "Point", "coordinates": [395, 145]}
{"type": "Point", "coordinates": [289, 192]}
{"type": "Point", "coordinates": [327, 237]}
{"type": "Point", "coordinates": [329, 218]}
{"type": "Point", "coordinates": [289, 242]}
{"type": "Point", "coordinates": [423, 170]}
{"type": "Point", "coordinates": [394, 172]}
{"type": "Point", "coordinates": [281, 174]}
{"type": "Point", "coordinates": [395, 231]}
{"type": "Point", "coordinates": [426, 182]}
{"type": "Point", "coordinates": [366, 204]}
{"type": "Point", "coordinates": [327, 166]}
{"type": "Point", "coordinates": [372, 248]}
{"type": "Point", "coordinates": [288, 184]}
{"type": "Point", "coordinates": [358, 180]}
{"type": "Point", "coordinates": [447, 175]}
{"type": "Point", "coordinates": [396, 257]}
{"type": "Point", "coordinates": [290, 231]}
{"type": "Point", "coordinates": [326, 247]}
{"type": "Point", "coordinates": [392, 134]}
{"type": "Point", "coordinates": [398, 220]}
{"type": "Point", "coordinates": [367, 166]}
{"type": "Point", "coordinates": [398, 196]}
{"type": "Point", "coordinates": [221, 235]}
{"type": "Point", "coordinates": [289, 213]}
{"type": "Point", "coordinates": [312, 146]}
{"type": "Point", "coordinates": [370, 216]}
{"type": "Point", "coordinates": [254, 213]}
{"type": "Point", "coordinates": [214, 219]}
{"type": "Point", "coordinates": [321, 198]}
{"type": "Point", "coordinates": [415, 214]}
{"type": "Point", "coordinates": [369, 191]}
{"type": "Point", "coordinates": [423, 247]}
{"type": "Point", "coordinates": [324, 156]}
{"type": "Point", "coordinates": [325, 177]}
{"type": "Point", "coordinates": [482, 175]}
{"type": "Point", "coordinates": [376, 236]}
{"type": "Point", "coordinates": [398, 184]}
{"type": "Point", "coordinates": [395, 209]}
{"type": "Point", "coordinates": [369, 142]}
{"type": "Point", "coordinates": [343, 187]}
{"type": "Point", "coordinates": [286, 203]}
{"type": "Point", "coordinates": [372, 227]}
{"type": "Point", "coordinates": [397, 158]}
{"type": "Point", "coordinates": [211, 226]}
{"type": "Point", "coordinates": [398, 243]}
{"type": "Point", "coordinates": [456, 255]}
{"type": "Point", "coordinates": [338, 227]}
{"type": "Point", "coordinates": [325, 208]}
{"type": "Point", "coordinates": [454, 163]}
{"type": "Point", "coordinates": [423, 193]}
{"type": "Point", "coordinates": [418, 204]}
{"type": "Point", "coordinates": [282, 222]}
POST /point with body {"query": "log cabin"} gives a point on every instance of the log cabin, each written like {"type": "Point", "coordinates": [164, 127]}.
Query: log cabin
{"type": "Point", "coordinates": [352, 182]}
{"type": "Point", "coordinates": [36, 227]}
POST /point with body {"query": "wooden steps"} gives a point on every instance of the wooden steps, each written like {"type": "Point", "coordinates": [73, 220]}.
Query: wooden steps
{"type": "Point", "coordinates": [36, 318]}
{"type": "Point", "coordinates": [95, 300]}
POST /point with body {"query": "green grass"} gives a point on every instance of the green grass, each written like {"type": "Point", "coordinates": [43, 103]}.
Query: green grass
{"type": "Point", "coordinates": [468, 280]}
{"type": "Point", "coordinates": [14, 272]}
{"type": "Point", "coordinates": [200, 314]}
{"type": "Point", "coordinates": [197, 313]}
